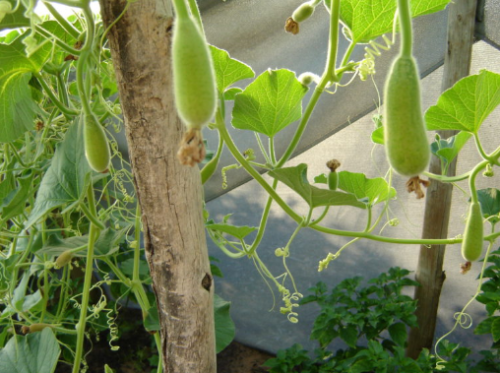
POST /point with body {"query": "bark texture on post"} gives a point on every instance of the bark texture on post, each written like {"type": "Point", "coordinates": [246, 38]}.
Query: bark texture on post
{"type": "Point", "coordinates": [169, 194]}
{"type": "Point", "coordinates": [429, 273]}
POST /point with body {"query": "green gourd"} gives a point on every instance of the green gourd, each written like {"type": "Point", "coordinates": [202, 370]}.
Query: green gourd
{"type": "Point", "coordinates": [63, 259]}
{"type": "Point", "coordinates": [333, 180]}
{"type": "Point", "coordinates": [96, 144]}
{"type": "Point", "coordinates": [472, 245]}
{"type": "Point", "coordinates": [194, 77]}
{"type": "Point", "coordinates": [303, 12]}
{"type": "Point", "coordinates": [405, 136]}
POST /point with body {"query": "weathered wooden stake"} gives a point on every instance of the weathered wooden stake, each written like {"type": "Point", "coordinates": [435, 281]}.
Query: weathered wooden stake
{"type": "Point", "coordinates": [169, 194]}
{"type": "Point", "coordinates": [429, 273]}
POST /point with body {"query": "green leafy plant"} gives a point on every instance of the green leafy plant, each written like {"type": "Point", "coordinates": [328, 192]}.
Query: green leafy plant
{"type": "Point", "coordinates": [372, 322]}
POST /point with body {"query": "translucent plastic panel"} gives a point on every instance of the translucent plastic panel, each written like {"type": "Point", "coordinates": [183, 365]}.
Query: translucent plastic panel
{"type": "Point", "coordinates": [491, 20]}
{"type": "Point", "coordinates": [253, 32]}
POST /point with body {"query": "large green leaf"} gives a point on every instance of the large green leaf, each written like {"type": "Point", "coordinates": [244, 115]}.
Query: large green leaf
{"type": "Point", "coordinates": [238, 232]}
{"type": "Point", "coordinates": [13, 58]}
{"type": "Point", "coordinates": [16, 19]}
{"type": "Point", "coordinates": [369, 19]}
{"type": "Point", "coordinates": [228, 70]}
{"type": "Point", "coordinates": [372, 191]}
{"type": "Point", "coordinates": [495, 330]}
{"type": "Point", "coordinates": [490, 203]}
{"type": "Point", "coordinates": [17, 107]}
{"type": "Point", "coordinates": [270, 103]}
{"type": "Point", "coordinates": [64, 182]}
{"type": "Point", "coordinates": [467, 104]}
{"type": "Point", "coordinates": [106, 244]}
{"type": "Point", "coordinates": [22, 302]}
{"type": "Point", "coordinates": [296, 179]}
{"type": "Point", "coordinates": [36, 352]}
{"type": "Point", "coordinates": [14, 203]}
{"type": "Point", "coordinates": [224, 325]}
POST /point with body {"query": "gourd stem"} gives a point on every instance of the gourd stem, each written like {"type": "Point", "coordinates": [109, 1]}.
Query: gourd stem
{"type": "Point", "coordinates": [406, 28]}
{"type": "Point", "coordinates": [334, 40]}
{"type": "Point", "coordinates": [68, 27]}
{"type": "Point", "coordinates": [195, 11]}
{"type": "Point", "coordinates": [472, 180]}
{"type": "Point", "coordinates": [328, 75]}
{"type": "Point", "coordinates": [181, 9]}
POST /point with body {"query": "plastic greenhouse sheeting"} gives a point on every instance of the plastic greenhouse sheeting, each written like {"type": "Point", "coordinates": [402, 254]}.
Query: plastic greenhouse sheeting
{"type": "Point", "coordinates": [252, 31]}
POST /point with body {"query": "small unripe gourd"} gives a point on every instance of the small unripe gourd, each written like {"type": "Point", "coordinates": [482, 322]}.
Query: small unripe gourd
{"type": "Point", "coordinates": [303, 12]}
{"type": "Point", "coordinates": [472, 245]}
{"type": "Point", "coordinates": [96, 144]}
{"type": "Point", "coordinates": [405, 136]}
{"type": "Point", "coordinates": [63, 259]}
{"type": "Point", "coordinates": [194, 77]}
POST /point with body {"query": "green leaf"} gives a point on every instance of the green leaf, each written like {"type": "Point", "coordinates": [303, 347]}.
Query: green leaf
{"type": "Point", "coordinates": [15, 202]}
{"type": "Point", "coordinates": [270, 103]}
{"type": "Point", "coordinates": [398, 333]}
{"type": "Point", "coordinates": [16, 19]}
{"type": "Point", "coordinates": [373, 190]}
{"type": "Point", "coordinates": [296, 179]}
{"type": "Point", "coordinates": [58, 31]}
{"type": "Point", "coordinates": [36, 352]}
{"type": "Point", "coordinates": [7, 185]}
{"type": "Point", "coordinates": [378, 136]}
{"type": "Point", "coordinates": [361, 366]}
{"type": "Point", "coordinates": [238, 232]}
{"type": "Point", "coordinates": [13, 58]}
{"type": "Point", "coordinates": [484, 327]}
{"type": "Point", "coordinates": [65, 180]}
{"type": "Point", "coordinates": [20, 292]}
{"type": "Point", "coordinates": [224, 325]}
{"type": "Point", "coordinates": [495, 329]}
{"type": "Point", "coordinates": [127, 267]}
{"type": "Point", "coordinates": [152, 320]}
{"type": "Point", "coordinates": [369, 19]}
{"type": "Point", "coordinates": [20, 301]}
{"type": "Point", "coordinates": [349, 335]}
{"type": "Point", "coordinates": [489, 199]}
{"type": "Point", "coordinates": [107, 243]}
{"type": "Point", "coordinates": [467, 104]}
{"type": "Point", "coordinates": [17, 108]}
{"type": "Point", "coordinates": [321, 179]}
{"type": "Point", "coordinates": [231, 93]}
{"type": "Point", "coordinates": [448, 149]}
{"type": "Point", "coordinates": [228, 70]}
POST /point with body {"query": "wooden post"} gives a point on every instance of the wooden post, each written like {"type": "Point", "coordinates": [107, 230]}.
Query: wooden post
{"type": "Point", "coordinates": [429, 273]}
{"type": "Point", "coordinates": [169, 194]}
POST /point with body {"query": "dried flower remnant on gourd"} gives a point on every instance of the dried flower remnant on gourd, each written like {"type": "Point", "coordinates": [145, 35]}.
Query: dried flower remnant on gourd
{"type": "Point", "coordinates": [191, 149]}
{"type": "Point", "coordinates": [414, 185]}
{"type": "Point", "coordinates": [291, 26]}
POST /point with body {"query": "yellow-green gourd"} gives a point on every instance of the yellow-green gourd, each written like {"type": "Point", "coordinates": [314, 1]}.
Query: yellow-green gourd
{"type": "Point", "coordinates": [63, 259]}
{"type": "Point", "coordinates": [194, 77]}
{"type": "Point", "coordinates": [96, 144]}
{"type": "Point", "coordinates": [472, 245]}
{"type": "Point", "coordinates": [303, 12]}
{"type": "Point", "coordinates": [405, 136]}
